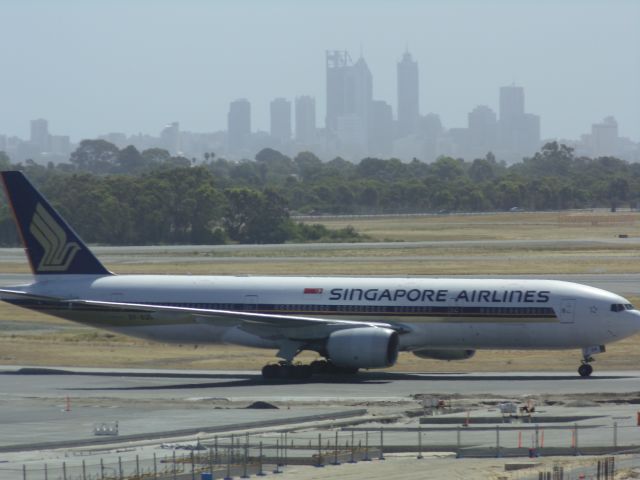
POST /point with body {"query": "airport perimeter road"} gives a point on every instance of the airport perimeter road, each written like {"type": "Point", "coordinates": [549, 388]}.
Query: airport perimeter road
{"type": "Point", "coordinates": [166, 384]}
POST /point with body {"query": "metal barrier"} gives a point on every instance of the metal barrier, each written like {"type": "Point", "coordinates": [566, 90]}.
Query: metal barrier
{"type": "Point", "coordinates": [246, 455]}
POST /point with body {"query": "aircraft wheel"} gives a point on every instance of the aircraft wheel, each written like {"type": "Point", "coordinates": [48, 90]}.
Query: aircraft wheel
{"type": "Point", "coordinates": [348, 370]}
{"type": "Point", "coordinates": [336, 370]}
{"type": "Point", "coordinates": [302, 372]}
{"type": "Point", "coordinates": [319, 366]}
{"type": "Point", "coordinates": [286, 372]}
{"type": "Point", "coordinates": [585, 370]}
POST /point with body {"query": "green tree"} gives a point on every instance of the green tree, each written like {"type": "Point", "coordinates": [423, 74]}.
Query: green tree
{"type": "Point", "coordinates": [95, 156]}
{"type": "Point", "coordinates": [618, 192]}
{"type": "Point", "coordinates": [5, 161]}
{"type": "Point", "coordinates": [155, 156]}
{"type": "Point", "coordinates": [308, 165]}
{"type": "Point", "coordinates": [130, 160]}
{"type": "Point", "coordinates": [256, 217]}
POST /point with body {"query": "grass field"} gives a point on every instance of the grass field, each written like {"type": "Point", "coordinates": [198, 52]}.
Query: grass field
{"type": "Point", "coordinates": [500, 226]}
{"type": "Point", "coordinates": [28, 338]}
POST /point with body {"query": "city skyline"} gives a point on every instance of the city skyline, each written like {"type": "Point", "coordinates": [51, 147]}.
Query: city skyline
{"type": "Point", "coordinates": [578, 61]}
{"type": "Point", "coordinates": [356, 126]}
{"type": "Point", "coordinates": [362, 127]}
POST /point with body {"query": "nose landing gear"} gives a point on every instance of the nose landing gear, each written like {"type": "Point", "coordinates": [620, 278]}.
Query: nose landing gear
{"type": "Point", "coordinates": [585, 370]}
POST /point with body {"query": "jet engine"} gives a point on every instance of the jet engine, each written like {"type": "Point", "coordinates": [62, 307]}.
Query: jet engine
{"type": "Point", "coordinates": [366, 347]}
{"type": "Point", "coordinates": [443, 354]}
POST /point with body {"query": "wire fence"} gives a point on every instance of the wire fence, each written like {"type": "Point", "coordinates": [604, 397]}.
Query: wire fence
{"type": "Point", "coordinates": [259, 454]}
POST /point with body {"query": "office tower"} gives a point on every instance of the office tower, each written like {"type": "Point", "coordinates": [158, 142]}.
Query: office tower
{"type": "Point", "coordinates": [281, 120]}
{"type": "Point", "coordinates": [511, 102]}
{"type": "Point", "coordinates": [305, 120]}
{"type": "Point", "coordinates": [60, 144]}
{"type": "Point", "coordinates": [238, 125]}
{"type": "Point", "coordinates": [170, 138]}
{"type": "Point", "coordinates": [529, 138]}
{"type": "Point", "coordinates": [117, 138]}
{"type": "Point", "coordinates": [408, 96]}
{"type": "Point", "coordinates": [604, 138]}
{"type": "Point", "coordinates": [430, 128]}
{"type": "Point", "coordinates": [349, 97]}
{"type": "Point", "coordinates": [519, 132]}
{"type": "Point", "coordinates": [482, 131]}
{"type": "Point", "coordinates": [40, 134]}
{"type": "Point", "coordinates": [381, 129]}
{"type": "Point", "coordinates": [338, 63]}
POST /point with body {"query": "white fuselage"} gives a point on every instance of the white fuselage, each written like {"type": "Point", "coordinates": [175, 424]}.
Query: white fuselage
{"type": "Point", "coordinates": [435, 312]}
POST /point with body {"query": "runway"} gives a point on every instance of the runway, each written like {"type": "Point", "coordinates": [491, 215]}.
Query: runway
{"type": "Point", "coordinates": [47, 415]}
{"type": "Point", "coordinates": [44, 405]}
{"type": "Point", "coordinates": [136, 384]}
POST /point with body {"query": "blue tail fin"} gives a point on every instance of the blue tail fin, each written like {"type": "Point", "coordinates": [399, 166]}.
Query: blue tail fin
{"type": "Point", "coordinates": [51, 244]}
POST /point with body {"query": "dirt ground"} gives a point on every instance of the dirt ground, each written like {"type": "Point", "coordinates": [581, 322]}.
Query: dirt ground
{"type": "Point", "coordinates": [408, 467]}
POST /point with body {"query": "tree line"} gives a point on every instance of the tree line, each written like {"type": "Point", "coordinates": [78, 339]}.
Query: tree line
{"type": "Point", "coordinates": [123, 196]}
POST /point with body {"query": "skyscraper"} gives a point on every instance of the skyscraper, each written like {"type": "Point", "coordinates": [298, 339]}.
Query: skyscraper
{"type": "Point", "coordinates": [381, 129]}
{"type": "Point", "coordinates": [281, 120]}
{"type": "Point", "coordinates": [40, 134]}
{"type": "Point", "coordinates": [483, 131]}
{"type": "Point", "coordinates": [338, 63]}
{"type": "Point", "coordinates": [305, 120]}
{"type": "Point", "coordinates": [519, 132]}
{"type": "Point", "coordinates": [238, 125]}
{"type": "Point", "coordinates": [349, 97]}
{"type": "Point", "coordinates": [170, 138]}
{"type": "Point", "coordinates": [511, 102]}
{"type": "Point", "coordinates": [408, 96]}
{"type": "Point", "coordinates": [604, 137]}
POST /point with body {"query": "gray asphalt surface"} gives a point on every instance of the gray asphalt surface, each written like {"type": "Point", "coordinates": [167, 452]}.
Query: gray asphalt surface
{"type": "Point", "coordinates": [34, 409]}
{"type": "Point", "coordinates": [163, 384]}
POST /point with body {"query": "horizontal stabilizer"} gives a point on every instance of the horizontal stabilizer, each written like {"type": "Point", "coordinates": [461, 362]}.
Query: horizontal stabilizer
{"type": "Point", "coordinates": [6, 294]}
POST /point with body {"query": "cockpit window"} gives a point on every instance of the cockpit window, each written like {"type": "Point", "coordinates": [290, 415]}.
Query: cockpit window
{"type": "Point", "coordinates": [620, 307]}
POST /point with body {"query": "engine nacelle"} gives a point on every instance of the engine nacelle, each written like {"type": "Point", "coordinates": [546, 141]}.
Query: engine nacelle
{"type": "Point", "coordinates": [366, 347]}
{"type": "Point", "coordinates": [443, 354]}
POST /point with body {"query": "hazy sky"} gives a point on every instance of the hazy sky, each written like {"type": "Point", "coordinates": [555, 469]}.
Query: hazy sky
{"type": "Point", "coordinates": [92, 67]}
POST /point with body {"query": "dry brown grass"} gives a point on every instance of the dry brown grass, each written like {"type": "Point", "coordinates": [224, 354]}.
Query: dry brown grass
{"type": "Point", "coordinates": [499, 226]}
{"type": "Point", "coordinates": [24, 342]}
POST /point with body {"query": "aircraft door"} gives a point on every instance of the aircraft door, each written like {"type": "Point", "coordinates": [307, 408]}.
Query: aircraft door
{"type": "Point", "coordinates": [567, 310]}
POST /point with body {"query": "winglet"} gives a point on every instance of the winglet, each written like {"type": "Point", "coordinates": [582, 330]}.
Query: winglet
{"type": "Point", "coordinates": [51, 245]}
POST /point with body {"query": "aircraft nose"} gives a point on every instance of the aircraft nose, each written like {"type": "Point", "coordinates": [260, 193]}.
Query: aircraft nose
{"type": "Point", "coordinates": [634, 316]}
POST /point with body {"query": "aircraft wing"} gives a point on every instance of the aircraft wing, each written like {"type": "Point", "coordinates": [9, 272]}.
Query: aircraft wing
{"type": "Point", "coordinates": [262, 324]}
{"type": "Point", "coordinates": [259, 323]}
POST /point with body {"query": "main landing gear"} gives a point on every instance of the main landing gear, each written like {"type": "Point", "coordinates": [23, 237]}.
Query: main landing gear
{"type": "Point", "coordinates": [289, 371]}
{"type": "Point", "coordinates": [286, 371]}
{"type": "Point", "coordinates": [585, 369]}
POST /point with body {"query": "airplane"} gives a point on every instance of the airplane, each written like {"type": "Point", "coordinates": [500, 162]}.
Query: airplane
{"type": "Point", "coordinates": [352, 322]}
